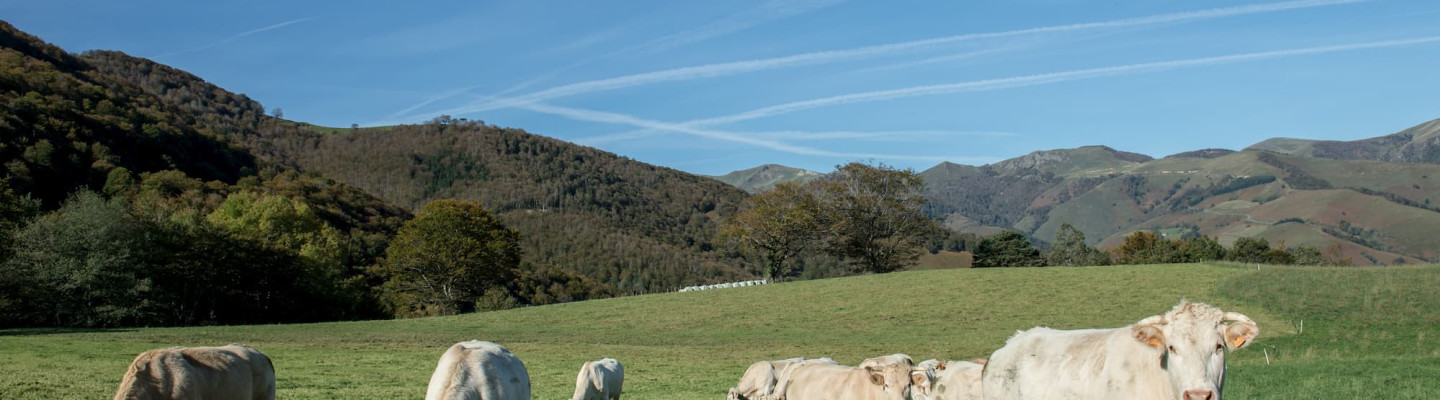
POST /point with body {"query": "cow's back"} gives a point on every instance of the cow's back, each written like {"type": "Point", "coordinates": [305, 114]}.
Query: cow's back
{"type": "Point", "coordinates": [231, 372]}
{"type": "Point", "coordinates": [1044, 363]}
{"type": "Point", "coordinates": [478, 370]}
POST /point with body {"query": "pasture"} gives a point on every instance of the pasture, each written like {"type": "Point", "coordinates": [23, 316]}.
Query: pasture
{"type": "Point", "coordinates": [1368, 332]}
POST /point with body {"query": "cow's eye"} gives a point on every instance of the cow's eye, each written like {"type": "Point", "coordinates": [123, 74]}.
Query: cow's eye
{"type": "Point", "coordinates": [1172, 348]}
{"type": "Point", "coordinates": [1219, 347]}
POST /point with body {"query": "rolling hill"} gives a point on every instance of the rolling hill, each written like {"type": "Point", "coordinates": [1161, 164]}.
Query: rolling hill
{"type": "Point", "coordinates": [635, 226]}
{"type": "Point", "coordinates": [766, 176]}
{"type": "Point", "coordinates": [1418, 144]}
{"type": "Point", "coordinates": [585, 215]}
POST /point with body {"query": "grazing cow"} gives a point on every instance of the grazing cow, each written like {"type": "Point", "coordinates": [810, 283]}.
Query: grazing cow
{"type": "Point", "coordinates": [479, 370]}
{"type": "Point", "coordinates": [1176, 355]}
{"type": "Point", "coordinates": [760, 379]}
{"type": "Point", "coordinates": [599, 380]}
{"type": "Point", "coordinates": [839, 382]}
{"type": "Point", "coordinates": [232, 372]}
{"type": "Point", "coordinates": [958, 380]}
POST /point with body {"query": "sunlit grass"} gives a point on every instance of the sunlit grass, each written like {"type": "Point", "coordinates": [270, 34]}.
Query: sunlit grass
{"type": "Point", "coordinates": [695, 345]}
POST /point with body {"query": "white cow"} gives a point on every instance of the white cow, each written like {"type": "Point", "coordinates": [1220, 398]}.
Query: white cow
{"type": "Point", "coordinates": [839, 382]}
{"type": "Point", "coordinates": [232, 372]}
{"type": "Point", "coordinates": [599, 380]}
{"type": "Point", "coordinates": [479, 370]}
{"type": "Point", "coordinates": [1176, 355]}
{"type": "Point", "coordinates": [760, 379]}
{"type": "Point", "coordinates": [958, 380]}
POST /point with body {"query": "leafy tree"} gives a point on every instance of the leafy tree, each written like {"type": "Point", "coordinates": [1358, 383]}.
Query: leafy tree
{"type": "Point", "coordinates": [777, 225]}
{"type": "Point", "coordinates": [1201, 248]}
{"type": "Point", "coordinates": [283, 222]}
{"type": "Point", "coordinates": [1250, 250]}
{"type": "Point", "coordinates": [1007, 249]}
{"type": "Point", "coordinates": [1143, 247]}
{"type": "Point", "coordinates": [1070, 249]}
{"type": "Point", "coordinates": [878, 225]}
{"type": "Point", "coordinates": [85, 264]}
{"type": "Point", "coordinates": [1307, 255]}
{"type": "Point", "coordinates": [445, 259]}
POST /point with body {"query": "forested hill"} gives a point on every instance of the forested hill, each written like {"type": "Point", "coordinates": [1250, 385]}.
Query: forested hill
{"type": "Point", "coordinates": [119, 206]}
{"type": "Point", "coordinates": [635, 226]}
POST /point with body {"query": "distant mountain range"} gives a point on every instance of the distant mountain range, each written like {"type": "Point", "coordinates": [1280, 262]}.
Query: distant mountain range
{"type": "Point", "coordinates": [1367, 200]}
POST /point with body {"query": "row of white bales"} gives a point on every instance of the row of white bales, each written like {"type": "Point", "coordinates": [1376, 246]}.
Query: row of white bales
{"type": "Point", "coordinates": [1179, 354]}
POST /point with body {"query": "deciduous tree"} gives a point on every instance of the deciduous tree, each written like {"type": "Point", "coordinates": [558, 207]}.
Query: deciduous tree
{"type": "Point", "coordinates": [878, 225]}
{"type": "Point", "coordinates": [777, 225]}
{"type": "Point", "coordinates": [445, 259]}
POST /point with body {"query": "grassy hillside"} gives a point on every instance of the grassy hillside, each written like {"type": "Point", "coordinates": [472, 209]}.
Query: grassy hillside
{"type": "Point", "coordinates": [1368, 332]}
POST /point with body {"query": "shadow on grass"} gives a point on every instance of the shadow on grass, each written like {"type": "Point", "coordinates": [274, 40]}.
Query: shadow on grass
{"type": "Point", "coordinates": [57, 331]}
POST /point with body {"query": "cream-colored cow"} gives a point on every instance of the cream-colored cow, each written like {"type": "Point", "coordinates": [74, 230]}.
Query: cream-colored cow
{"type": "Point", "coordinates": [599, 380]}
{"type": "Point", "coordinates": [479, 370]}
{"type": "Point", "coordinates": [232, 372]}
{"type": "Point", "coordinates": [760, 379]}
{"type": "Point", "coordinates": [958, 380]}
{"type": "Point", "coordinates": [839, 382]}
{"type": "Point", "coordinates": [1176, 355]}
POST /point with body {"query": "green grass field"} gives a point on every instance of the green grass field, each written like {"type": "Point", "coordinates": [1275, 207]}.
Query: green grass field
{"type": "Point", "coordinates": [1368, 333]}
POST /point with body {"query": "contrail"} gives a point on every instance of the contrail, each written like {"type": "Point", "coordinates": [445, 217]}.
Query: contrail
{"type": "Point", "coordinates": [1041, 79]}
{"type": "Point", "coordinates": [771, 10]}
{"type": "Point", "coordinates": [807, 135]}
{"type": "Point", "coordinates": [774, 9]}
{"type": "Point", "coordinates": [738, 67]}
{"type": "Point", "coordinates": [617, 118]}
{"type": "Point", "coordinates": [1006, 83]}
{"type": "Point", "coordinates": [238, 36]}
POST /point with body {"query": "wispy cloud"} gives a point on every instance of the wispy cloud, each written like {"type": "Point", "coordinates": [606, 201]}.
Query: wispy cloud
{"type": "Point", "coordinates": [821, 57]}
{"type": "Point", "coordinates": [623, 119]}
{"type": "Point", "coordinates": [237, 36]}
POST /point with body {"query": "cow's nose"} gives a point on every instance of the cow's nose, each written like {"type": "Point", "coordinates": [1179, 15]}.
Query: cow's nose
{"type": "Point", "coordinates": [1199, 395]}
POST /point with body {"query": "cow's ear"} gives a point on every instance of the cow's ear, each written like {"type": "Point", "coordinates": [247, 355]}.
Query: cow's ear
{"type": "Point", "coordinates": [1148, 331]}
{"type": "Point", "coordinates": [941, 366]}
{"type": "Point", "coordinates": [917, 378]}
{"type": "Point", "coordinates": [877, 376]}
{"type": "Point", "coordinates": [1240, 331]}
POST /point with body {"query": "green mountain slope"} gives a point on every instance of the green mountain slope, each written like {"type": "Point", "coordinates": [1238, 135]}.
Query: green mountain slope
{"type": "Point", "coordinates": [766, 176]}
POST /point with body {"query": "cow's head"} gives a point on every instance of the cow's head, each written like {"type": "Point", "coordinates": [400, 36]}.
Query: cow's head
{"type": "Point", "coordinates": [1190, 343]}
{"type": "Point", "coordinates": [894, 379]}
{"type": "Point", "coordinates": [922, 380]}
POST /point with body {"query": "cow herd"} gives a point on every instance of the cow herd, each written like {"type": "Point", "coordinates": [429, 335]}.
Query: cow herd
{"type": "Point", "coordinates": [1179, 355]}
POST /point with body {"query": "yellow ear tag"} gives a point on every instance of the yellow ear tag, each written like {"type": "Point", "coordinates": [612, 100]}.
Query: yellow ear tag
{"type": "Point", "coordinates": [1155, 342]}
{"type": "Point", "coordinates": [1235, 343]}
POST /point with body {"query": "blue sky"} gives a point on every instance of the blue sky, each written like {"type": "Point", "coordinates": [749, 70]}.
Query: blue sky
{"type": "Point", "coordinates": [710, 87]}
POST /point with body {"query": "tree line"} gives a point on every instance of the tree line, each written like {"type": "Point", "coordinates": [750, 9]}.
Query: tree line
{"type": "Point", "coordinates": [1013, 249]}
